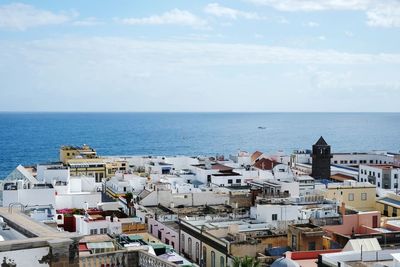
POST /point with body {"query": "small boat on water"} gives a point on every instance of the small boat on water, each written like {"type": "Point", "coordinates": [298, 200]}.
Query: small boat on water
{"type": "Point", "coordinates": [262, 127]}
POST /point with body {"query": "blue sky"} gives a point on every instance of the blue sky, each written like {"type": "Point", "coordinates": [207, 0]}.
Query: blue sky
{"type": "Point", "coordinates": [249, 55]}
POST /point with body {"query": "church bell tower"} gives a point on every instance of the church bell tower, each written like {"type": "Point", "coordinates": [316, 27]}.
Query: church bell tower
{"type": "Point", "coordinates": [321, 160]}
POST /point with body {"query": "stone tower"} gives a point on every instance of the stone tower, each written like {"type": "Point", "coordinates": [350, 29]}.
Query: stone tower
{"type": "Point", "coordinates": [321, 160]}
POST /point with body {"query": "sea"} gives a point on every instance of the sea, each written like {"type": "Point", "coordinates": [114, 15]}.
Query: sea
{"type": "Point", "coordinates": [31, 138]}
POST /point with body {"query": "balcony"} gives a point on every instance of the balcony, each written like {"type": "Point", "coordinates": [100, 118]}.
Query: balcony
{"type": "Point", "coordinates": [138, 258]}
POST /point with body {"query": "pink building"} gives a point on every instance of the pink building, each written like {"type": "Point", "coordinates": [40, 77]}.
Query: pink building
{"type": "Point", "coordinates": [167, 232]}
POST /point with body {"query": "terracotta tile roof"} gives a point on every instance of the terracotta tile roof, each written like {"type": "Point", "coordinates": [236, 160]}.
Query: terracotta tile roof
{"type": "Point", "coordinates": [265, 164]}
{"type": "Point", "coordinates": [255, 156]}
{"type": "Point", "coordinates": [220, 167]}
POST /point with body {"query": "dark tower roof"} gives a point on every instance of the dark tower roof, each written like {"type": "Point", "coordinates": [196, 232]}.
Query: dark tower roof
{"type": "Point", "coordinates": [321, 142]}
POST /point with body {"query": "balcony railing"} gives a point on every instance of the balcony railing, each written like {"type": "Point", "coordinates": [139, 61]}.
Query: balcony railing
{"type": "Point", "coordinates": [137, 258]}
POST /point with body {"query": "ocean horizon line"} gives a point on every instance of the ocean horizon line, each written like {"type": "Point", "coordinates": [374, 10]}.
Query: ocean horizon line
{"type": "Point", "coordinates": [198, 112]}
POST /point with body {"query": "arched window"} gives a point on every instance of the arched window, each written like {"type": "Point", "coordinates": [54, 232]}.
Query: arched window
{"type": "Point", "coordinates": [183, 243]}
{"type": "Point", "coordinates": [221, 261]}
{"type": "Point", "coordinates": [212, 259]}
{"type": "Point", "coordinates": [204, 256]}
{"type": "Point", "coordinates": [189, 251]}
{"type": "Point", "coordinates": [197, 252]}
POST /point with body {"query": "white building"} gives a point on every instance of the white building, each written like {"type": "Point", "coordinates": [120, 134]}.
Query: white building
{"type": "Point", "coordinates": [275, 214]}
{"type": "Point", "coordinates": [51, 172]}
{"type": "Point", "coordinates": [243, 158]}
{"type": "Point", "coordinates": [21, 188]}
{"type": "Point", "coordinates": [122, 183]}
{"type": "Point", "coordinates": [375, 157]}
{"type": "Point", "coordinates": [385, 176]}
{"type": "Point", "coordinates": [79, 192]}
{"type": "Point", "coordinates": [97, 224]}
{"type": "Point", "coordinates": [167, 197]}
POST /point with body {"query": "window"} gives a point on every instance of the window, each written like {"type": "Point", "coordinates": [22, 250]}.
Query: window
{"type": "Point", "coordinates": [335, 162]}
{"type": "Point", "coordinates": [394, 213]}
{"type": "Point", "coordinates": [363, 196]}
{"type": "Point", "coordinates": [311, 245]}
{"type": "Point", "coordinates": [159, 234]}
{"type": "Point", "coordinates": [103, 231]}
{"type": "Point", "coordinates": [197, 252]}
{"type": "Point", "coordinates": [385, 210]}
{"type": "Point", "coordinates": [379, 175]}
{"type": "Point", "coordinates": [173, 244]}
{"type": "Point", "coordinates": [93, 231]}
{"type": "Point", "coordinates": [204, 256]}
{"type": "Point", "coordinates": [190, 247]}
{"type": "Point", "coordinates": [183, 242]}
{"type": "Point", "coordinates": [229, 181]}
{"type": "Point", "coordinates": [212, 259]}
{"type": "Point", "coordinates": [274, 217]}
{"type": "Point", "coordinates": [351, 196]}
{"type": "Point", "coordinates": [294, 242]}
{"type": "Point", "coordinates": [396, 176]}
{"type": "Point", "coordinates": [238, 181]}
{"type": "Point", "coordinates": [221, 261]}
{"type": "Point", "coordinates": [379, 184]}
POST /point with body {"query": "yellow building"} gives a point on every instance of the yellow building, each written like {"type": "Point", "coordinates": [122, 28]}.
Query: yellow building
{"type": "Point", "coordinates": [72, 152]}
{"type": "Point", "coordinates": [359, 196]}
{"type": "Point", "coordinates": [88, 167]}
{"type": "Point", "coordinates": [98, 167]}
{"type": "Point", "coordinates": [389, 205]}
{"type": "Point", "coordinates": [84, 161]}
{"type": "Point", "coordinates": [305, 237]}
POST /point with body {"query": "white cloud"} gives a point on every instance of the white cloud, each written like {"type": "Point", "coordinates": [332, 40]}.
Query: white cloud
{"type": "Point", "coordinates": [122, 50]}
{"type": "Point", "coordinates": [221, 11]}
{"type": "Point", "coordinates": [349, 34]}
{"type": "Point", "coordinates": [142, 72]}
{"type": "Point", "coordinates": [380, 13]}
{"type": "Point", "coordinates": [19, 16]}
{"type": "Point", "coordinates": [90, 21]}
{"type": "Point", "coordinates": [314, 5]}
{"type": "Point", "coordinates": [172, 17]}
{"type": "Point", "coordinates": [312, 24]}
{"type": "Point", "coordinates": [384, 15]}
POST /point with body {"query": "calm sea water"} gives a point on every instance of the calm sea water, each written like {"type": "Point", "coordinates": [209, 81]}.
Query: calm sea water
{"type": "Point", "coordinates": [28, 138]}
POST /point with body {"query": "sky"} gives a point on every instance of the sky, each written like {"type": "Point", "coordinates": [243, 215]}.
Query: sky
{"type": "Point", "coordinates": [200, 56]}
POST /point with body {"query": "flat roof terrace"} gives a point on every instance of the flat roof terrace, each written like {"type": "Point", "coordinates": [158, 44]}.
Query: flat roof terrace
{"type": "Point", "coordinates": [384, 166]}
{"type": "Point", "coordinates": [29, 227]}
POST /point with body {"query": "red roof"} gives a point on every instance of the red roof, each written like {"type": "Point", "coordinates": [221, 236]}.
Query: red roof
{"type": "Point", "coordinates": [302, 255]}
{"type": "Point", "coordinates": [221, 167]}
{"type": "Point", "coordinates": [265, 164]}
{"type": "Point", "coordinates": [255, 155]}
{"type": "Point", "coordinates": [83, 247]}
